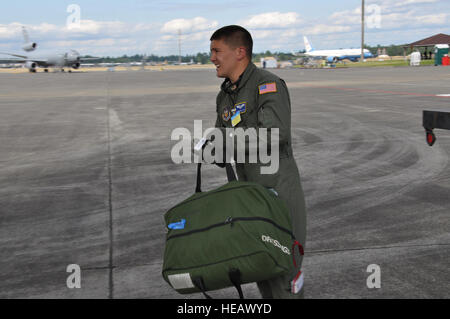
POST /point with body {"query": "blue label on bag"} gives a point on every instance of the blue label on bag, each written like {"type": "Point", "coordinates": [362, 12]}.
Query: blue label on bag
{"type": "Point", "coordinates": [179, 225]}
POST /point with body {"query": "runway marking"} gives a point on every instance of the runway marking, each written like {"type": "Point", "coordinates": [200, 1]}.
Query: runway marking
{"type": "Point", "coordinates": [381, 91]}
{"type": "Point", "coordinates": [109, 120]}
{"type": "Point", "coordinates": [137, 91]}
{"type": "Point", "coordinates": [372, 248]}
{"type": "Point", "coordinates": [114, 120]}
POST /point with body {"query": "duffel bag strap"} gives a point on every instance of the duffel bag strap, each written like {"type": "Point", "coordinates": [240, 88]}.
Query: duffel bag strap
{"type": "Point", "coordinates": [235, 278]}
{"type": "Point", "coordinates": [230, 175]}
{"type": "Point", "coordinates": [198, 188]}
{"type": "Point", "coordinates": [198, 282]}
{"type": "Point", "coordinates": [300, 250]}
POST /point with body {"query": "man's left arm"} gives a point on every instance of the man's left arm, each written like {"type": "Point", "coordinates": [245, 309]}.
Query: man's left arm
{"type": "Point", "coordinates": [274, 110]}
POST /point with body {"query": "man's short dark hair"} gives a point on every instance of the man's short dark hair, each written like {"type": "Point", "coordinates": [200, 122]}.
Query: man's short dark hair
{"type": "Point", "coordinates": [235, 36]}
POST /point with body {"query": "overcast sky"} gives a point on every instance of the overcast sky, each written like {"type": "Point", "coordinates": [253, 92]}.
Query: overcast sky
{"type": "Point", "coordinates": [116, 27]}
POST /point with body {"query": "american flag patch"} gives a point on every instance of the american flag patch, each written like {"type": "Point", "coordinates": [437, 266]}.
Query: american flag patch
{"type": "Point", "coordinates": [267, 88]}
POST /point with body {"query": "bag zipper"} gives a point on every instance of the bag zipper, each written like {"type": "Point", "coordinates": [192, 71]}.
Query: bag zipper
{"type": "Point", "coordinates": [231, 220]}
{"type": "Point", "coordinates": [208, 193]}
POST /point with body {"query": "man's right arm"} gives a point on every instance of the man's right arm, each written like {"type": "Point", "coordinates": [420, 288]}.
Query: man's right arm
{"type": "Point", "coordinates": [219, 125]}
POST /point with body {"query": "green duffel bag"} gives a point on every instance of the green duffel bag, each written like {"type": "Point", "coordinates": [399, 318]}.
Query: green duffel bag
{"type": "Point", "coordinates": [236, 234]}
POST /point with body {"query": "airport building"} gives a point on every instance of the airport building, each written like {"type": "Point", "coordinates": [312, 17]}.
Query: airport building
{"type": "Point", "coordinates": [427, 45]}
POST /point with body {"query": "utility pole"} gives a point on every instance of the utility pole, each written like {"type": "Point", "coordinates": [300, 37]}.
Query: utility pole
{"type": "Point", "coordinates": [179, 46]}
{"type": "Point", "coordinates": [362, 31]}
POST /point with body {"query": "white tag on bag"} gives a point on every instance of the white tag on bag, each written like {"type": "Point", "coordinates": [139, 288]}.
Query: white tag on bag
{"type": "Point", "coordinates": [297, 283]}
{"type": "Point", "coordinates": [199, 145]}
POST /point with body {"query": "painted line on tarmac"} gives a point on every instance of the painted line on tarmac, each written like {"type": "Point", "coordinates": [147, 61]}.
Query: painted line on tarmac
{"type": "Point", "coordinates": [384, 91]}
{"type": "Point", "coordinates": [375, 248]}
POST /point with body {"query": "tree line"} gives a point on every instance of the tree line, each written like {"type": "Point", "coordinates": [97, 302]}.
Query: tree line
{"type": "Point", "coordinates": [203, 58]}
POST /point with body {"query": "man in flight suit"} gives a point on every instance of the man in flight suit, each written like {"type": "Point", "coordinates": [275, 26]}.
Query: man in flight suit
{"type": "Point", "coordinates": [262, 101]}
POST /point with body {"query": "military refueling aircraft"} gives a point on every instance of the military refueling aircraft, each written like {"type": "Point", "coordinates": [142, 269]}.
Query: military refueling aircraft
{"type": "Point", "coordinates": [70, 59]}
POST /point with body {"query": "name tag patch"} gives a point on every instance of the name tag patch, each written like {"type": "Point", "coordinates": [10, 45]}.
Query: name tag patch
{"type": "Point", "coordinates": [236, 119]}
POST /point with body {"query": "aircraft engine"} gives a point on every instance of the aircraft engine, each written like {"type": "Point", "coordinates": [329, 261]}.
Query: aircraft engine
{"type": "Point", "coordinates": [332, 59]}
{"type": "Point", "coordinates": [76, 65]}
{"type": "Point", "coordinates": [29, 47]}
{"type": "Point", "coordinates": [30, 65]}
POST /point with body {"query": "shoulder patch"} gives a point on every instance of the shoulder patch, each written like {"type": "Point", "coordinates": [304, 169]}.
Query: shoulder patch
{"type": "Point", "coordinates": [267, 88]}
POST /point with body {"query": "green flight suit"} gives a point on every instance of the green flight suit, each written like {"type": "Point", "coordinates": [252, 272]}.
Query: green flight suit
{"type": "Point", "coordinates": [267, 107]}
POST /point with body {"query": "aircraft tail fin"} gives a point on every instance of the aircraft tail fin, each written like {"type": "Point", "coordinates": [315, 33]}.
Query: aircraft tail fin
{"type": "Point", "coordinates": [308, 46]}
{"type": "Point", "coordinates": [28, 46]}
{"type": "Point", "coordinates": [26, 38]}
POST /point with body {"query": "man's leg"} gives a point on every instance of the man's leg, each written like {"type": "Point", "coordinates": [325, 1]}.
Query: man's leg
{"type": "Point", "coordinates": [291, 192]}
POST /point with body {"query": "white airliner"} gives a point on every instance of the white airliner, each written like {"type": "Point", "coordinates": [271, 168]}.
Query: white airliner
{"type": "Point", "coordinates": [333, 56]}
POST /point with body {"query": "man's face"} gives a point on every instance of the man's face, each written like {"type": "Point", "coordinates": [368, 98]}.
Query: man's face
{"type": "Point", "coordinates": [224, 58]}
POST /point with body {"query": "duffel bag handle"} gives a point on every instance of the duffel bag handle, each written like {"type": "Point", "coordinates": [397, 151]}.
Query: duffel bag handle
{"type": "Point", "coordinates": [235, 278]}
{"type": "Point", "coordinates": [230, 175]}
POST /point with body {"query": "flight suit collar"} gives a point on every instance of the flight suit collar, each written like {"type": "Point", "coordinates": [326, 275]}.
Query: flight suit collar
{"type": "Point", "coordinates": [227, 85]}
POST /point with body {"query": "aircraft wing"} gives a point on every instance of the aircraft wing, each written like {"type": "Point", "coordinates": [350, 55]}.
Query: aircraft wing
{"type": "Point", "coordinates": [16, 55]}
{"type": "Point", "coordinates": [12, 60]}
{"type": "Point", "coordinates": [315, 57]}
{"type": "Point", "coordinates": [89, 59]}
{"type": "Point", "coordinates": [23, 58]}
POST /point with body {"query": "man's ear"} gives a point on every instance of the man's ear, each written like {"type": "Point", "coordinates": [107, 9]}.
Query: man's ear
{"type": "Point", "coordinates": [241, 53]}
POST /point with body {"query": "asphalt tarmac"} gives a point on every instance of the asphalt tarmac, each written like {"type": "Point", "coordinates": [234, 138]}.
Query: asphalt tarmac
{"type": "Point", "coordinates": [86, 177]}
